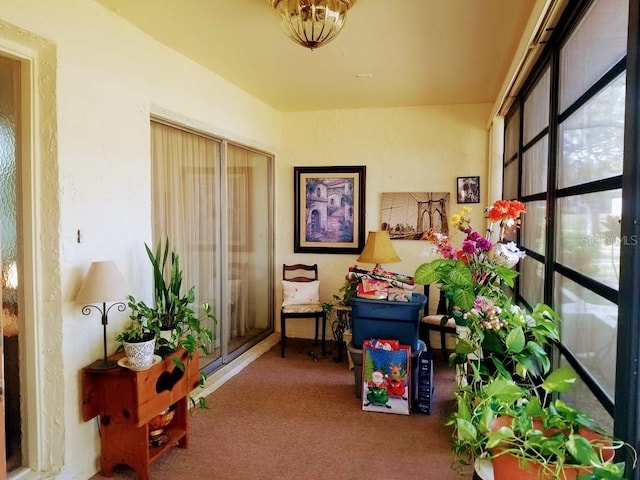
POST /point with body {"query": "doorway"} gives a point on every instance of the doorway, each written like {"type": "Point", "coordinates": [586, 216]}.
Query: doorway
{"type": "Point", "coordinates": [10, 415]}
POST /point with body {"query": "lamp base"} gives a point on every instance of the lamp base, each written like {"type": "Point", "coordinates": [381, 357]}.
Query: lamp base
{"type": "Point", "coordinates": [103, 364]}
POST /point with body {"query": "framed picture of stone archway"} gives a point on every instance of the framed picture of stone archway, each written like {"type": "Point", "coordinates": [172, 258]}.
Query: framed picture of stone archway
{"type": "Point", "coordinates": [329, 205]}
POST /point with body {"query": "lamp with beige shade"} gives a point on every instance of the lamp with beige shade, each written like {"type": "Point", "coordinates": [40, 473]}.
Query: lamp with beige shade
{"type": "Point", "coordinates": [103, 284]}
{"type": "Point", "coordinates": [378, 250]}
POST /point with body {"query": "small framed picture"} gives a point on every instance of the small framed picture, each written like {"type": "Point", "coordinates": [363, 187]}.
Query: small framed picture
{"type": "Point", "coordinates": [468, 189]}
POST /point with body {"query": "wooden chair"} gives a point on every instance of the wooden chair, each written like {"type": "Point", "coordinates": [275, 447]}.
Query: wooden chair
{"type": "Point", "coordinates": [433, 322]}
{"type": "Point", "coordinates": [301, 300]}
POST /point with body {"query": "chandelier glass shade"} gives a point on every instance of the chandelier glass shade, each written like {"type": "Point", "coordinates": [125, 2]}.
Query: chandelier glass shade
{"type": "Point", "coordinates": [312, 23]}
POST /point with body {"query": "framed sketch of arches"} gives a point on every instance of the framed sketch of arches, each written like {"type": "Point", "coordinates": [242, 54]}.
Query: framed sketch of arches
{"type": "Point", "coordinates": [329, 205]}
{"type": "Point", "coordinates": [409, 215]}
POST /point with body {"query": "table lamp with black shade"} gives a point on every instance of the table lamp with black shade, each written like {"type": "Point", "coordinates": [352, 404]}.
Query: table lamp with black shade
{"type": "Point", "coordinates": [103, 284]}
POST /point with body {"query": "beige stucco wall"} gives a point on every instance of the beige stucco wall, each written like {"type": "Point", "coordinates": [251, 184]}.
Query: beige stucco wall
{"type": "Point", "coordinates": [99, 80]}
{"type": "Point", "coordinates": [416, 149]}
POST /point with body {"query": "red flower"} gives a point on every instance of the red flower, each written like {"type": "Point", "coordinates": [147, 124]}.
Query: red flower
{"type": "Point", "coordinates": [503, 210]}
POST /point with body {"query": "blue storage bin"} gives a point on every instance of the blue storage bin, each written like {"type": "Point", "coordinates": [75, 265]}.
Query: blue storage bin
{"type": "Point", "coordinates": [387, 320]}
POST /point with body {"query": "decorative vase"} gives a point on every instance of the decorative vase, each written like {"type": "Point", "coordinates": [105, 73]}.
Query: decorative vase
{"type": "Point", "coordinates": [140, 354]}
{"type": "Point", "coordinates": [505, 254]}
{"type": "Point", "coordinates": [446, 304]}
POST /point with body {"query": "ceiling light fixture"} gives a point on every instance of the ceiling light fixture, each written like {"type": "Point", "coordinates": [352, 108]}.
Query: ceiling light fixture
{"type": "Point", "coordinates": [312, 23]}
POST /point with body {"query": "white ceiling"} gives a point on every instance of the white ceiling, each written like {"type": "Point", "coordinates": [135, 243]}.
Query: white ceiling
{"type": "Point", "coordinates": [418, 52]}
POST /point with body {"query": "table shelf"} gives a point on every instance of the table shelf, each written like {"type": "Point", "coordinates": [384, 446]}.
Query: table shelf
{"type": "Point", "coordinates": [125, 401]}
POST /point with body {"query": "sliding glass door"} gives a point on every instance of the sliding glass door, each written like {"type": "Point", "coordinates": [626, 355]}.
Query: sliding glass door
{"type": "Point", "coordinates": [212, 201]}
{"type": "Point", "coordinates": [247, 235]}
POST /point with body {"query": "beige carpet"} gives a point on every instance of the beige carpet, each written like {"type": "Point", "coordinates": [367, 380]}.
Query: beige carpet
{"type": "Point", "coordinates": [296, 418]}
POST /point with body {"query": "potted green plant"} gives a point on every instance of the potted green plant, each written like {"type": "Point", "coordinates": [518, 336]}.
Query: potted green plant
{"type": "Point", "coordinates": [172, 315]}
{"type": "Point", "coordinates": [525, 435]}
{"type": "Point", "coordinates": [505, 411]}
{"type": "Point", "coordinates": [503, 337]}
{"type": "Point", "coordinates": [139, 343]}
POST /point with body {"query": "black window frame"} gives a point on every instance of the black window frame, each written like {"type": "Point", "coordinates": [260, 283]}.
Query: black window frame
{"type": "Point", "coordinates": [626, 409]}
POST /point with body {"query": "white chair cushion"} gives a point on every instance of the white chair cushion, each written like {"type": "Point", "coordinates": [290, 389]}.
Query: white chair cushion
{"type": "Point", "coordinates": [302, 308]}
{"type": "Point", "coordinates": [300, 293]}
{"type": "Point", "coordinates": [436, 319]}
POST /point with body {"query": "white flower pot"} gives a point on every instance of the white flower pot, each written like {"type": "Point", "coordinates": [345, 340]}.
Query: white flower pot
{"type": "Point", "coordinates": [140, 354]}
{"type": "Point", "coordinates": [167, 334]}
{"type": "Point", "coordinates": [167, 341]}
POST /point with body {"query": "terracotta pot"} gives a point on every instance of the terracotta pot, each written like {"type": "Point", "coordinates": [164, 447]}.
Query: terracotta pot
{"type": "Point", "coordinates": [509, 467]}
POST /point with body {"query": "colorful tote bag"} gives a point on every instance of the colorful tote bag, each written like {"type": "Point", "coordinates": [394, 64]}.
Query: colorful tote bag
{"type": "Point", "coordinates": [386, 376]}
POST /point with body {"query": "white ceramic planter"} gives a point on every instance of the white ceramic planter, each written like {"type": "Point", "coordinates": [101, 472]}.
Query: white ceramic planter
{"type": "Point", "coordinates": [140, 354]}
{"type": "Point", "coordinates": [167, 341]}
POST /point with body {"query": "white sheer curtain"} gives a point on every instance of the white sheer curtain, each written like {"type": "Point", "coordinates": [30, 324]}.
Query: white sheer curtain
{"type": "Point", "coordinates": [239, 180]}
{"type": "Point", "coordinates": [184, 171]}
{"type": "Point", "coordinates": [223, 236]}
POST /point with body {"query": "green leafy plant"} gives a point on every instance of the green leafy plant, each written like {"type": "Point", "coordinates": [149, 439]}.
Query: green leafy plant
{"type": "Point", "coordinates": [456, 277]}
{"type": "Point", "coordinates": [502, 418]}
{"type": "Point", "coordinates": [136, 330]}
{"type": "Point", "coordinates": [171, 306]}
{"type": "Point", "coordinates": [503, 356]}
{"type": "Point", "coordinates": [173, 311]}
{"type": "Point", "coordinates": [507, 395]}
{"type": "Point", "coordinates": [346, 292]}
{"type": "Point", "coordinates": [512, 341]}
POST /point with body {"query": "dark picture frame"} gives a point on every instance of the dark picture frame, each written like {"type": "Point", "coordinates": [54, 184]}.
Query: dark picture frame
{"type": "Point", "coordinates": [329, 206]}
{"type": "Point", "coordinates": [468, 189]}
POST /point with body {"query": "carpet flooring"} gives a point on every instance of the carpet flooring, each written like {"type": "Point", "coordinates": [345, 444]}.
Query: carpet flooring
{"type": "Point", "coordinates": [297, 418]}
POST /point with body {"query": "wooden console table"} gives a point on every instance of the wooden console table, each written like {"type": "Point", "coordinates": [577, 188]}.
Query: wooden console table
{"type": "Point", "coordinates": [127, 400]}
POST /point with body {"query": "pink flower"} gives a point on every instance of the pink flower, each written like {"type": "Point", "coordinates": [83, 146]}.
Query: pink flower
{"type": "Point", "coordinates": [483, 244]}
{"type": "Point", "coordinates": [469, 246]}
{"type": "Point", "coordinates": [447, 250]}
